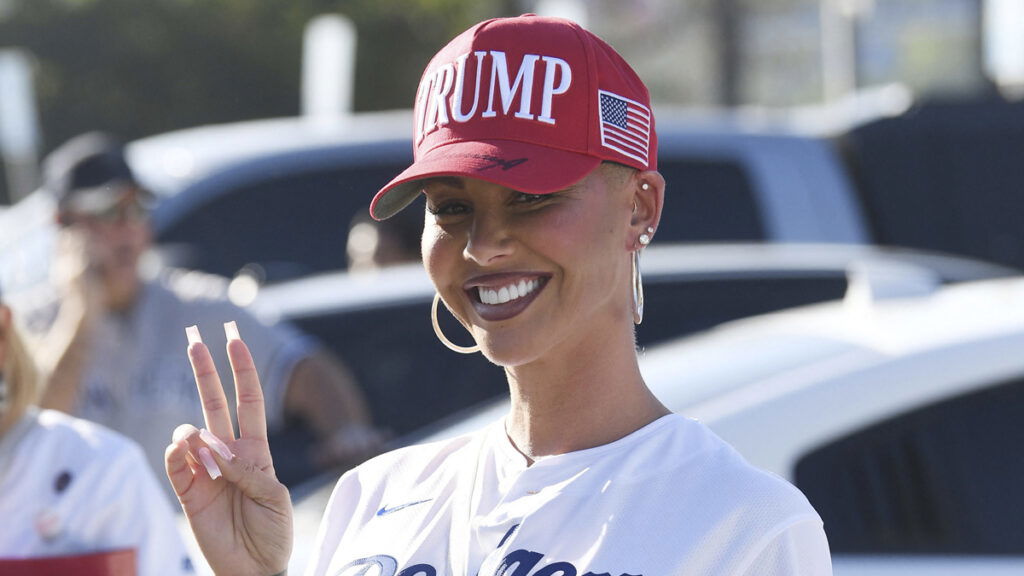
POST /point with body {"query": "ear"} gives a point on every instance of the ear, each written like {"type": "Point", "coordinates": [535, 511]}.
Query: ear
{"type": "Point", "coordinates": [648, 199]}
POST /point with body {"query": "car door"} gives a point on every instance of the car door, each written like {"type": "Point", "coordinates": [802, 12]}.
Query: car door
{"type": "Point", "coordinates": [913, 461]}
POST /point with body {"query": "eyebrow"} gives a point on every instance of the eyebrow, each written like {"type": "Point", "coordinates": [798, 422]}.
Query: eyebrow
{"type": "Point", "coordinates": [578, 185]}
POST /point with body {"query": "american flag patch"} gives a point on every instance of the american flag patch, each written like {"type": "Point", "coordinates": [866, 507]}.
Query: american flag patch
{"type": "Point", "coordinates": [625, 126]}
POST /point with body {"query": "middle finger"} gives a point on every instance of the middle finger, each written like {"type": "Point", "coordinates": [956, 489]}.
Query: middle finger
{"type": "Point", "coordinates": [216, 411]}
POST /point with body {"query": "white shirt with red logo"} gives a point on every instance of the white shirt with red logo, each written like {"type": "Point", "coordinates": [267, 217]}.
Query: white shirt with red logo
{"type": "Point", "coordinates": [670, 498]}
{"type": "Point", "coordinates": [71, 487]}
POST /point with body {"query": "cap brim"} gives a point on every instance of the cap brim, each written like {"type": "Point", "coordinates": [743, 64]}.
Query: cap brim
{"type": "Point", "coordinates": [525, 167]}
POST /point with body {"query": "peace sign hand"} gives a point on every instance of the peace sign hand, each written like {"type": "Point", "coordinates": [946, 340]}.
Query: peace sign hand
{"type": "Point", "coordinates": [240, 513]}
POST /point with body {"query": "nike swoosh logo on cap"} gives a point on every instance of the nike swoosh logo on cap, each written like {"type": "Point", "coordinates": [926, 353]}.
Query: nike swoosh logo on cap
{"type": "Point", "coordinates": [384, 510]}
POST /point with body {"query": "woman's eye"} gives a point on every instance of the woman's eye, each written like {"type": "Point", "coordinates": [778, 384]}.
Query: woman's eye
{"type": "Point", "coordinates": [448, 209]}
{"type": "Point", "coordinates": [524, 198]}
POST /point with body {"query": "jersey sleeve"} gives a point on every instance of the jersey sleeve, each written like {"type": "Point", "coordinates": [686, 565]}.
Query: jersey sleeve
{"type": "Point", "coordinates": [800, 549]}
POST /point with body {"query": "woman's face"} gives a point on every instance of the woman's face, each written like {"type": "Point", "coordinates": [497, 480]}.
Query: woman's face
{"type": "Point", "coordinates": [531, 275]}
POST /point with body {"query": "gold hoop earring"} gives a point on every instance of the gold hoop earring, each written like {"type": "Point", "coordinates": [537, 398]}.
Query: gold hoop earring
{"type": "Point", "coordinates": [638, 290]}
{"type": "Point", "coordinates": [440, 335]}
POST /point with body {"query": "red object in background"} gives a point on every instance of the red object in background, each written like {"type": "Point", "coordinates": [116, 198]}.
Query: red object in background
{"type": "Point", "coordinates": [109, 563]}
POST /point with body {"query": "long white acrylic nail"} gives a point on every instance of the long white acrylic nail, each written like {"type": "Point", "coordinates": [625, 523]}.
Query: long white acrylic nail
{"type": "Point", "coordinates": [231, 331]}
{"type": "Point", "coordinates": [209, 463]}
{"type": "Point", "coordinates": [217, 444]}
{"type": "Point", "coordinates": [192, 332]}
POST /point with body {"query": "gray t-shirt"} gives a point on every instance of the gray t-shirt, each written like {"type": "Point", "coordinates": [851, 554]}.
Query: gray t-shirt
{"type": "Point", "coordinates": [138, 380]}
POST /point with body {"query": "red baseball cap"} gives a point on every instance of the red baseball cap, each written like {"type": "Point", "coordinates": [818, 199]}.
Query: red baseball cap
{"type": "Point", "coordinates": [530, 103]}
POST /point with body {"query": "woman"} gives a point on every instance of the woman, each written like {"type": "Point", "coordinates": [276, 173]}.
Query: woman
{"type": "Point", "coordinates": [536, 152]}
{"type": "Point", "coordinates": [69, 487]}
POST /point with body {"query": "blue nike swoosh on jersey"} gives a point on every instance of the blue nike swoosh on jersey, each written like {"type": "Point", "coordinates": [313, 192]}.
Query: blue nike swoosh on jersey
{"type": "Point", "coordinates": [385, 510]}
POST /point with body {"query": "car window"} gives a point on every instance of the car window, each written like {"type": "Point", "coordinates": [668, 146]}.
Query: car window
{"type": "Point", "coordinates": [290, 226]}
{"type": "Point", "coordinates": [945, 478]}
{"type": "Point", "coordinates": [411, 381]}
{"type": "Point", "coordinates": [303, 218]}
{"type": "Point", "coordinates": [409, 378]}
{"type": "Point", "coordinates": [673, 308]}
{"type": "Point", "coordinates": [708, 201]}
{"type": "Point", "coordinates": [945, 178]}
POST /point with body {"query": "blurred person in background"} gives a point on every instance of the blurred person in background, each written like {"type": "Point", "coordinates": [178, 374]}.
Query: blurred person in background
{"type": "Point", "coordinates": [372, 244]}
{"type": "Point", "coordinates": [69, 487]}
{"type": "Point", "coordinates": [109, 345]}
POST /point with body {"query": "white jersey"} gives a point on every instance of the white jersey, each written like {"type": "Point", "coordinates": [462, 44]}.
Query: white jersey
{"type": "Point", "coordinates": [669, 499]}
{"type": "Point", "coordinates": [68, 487]}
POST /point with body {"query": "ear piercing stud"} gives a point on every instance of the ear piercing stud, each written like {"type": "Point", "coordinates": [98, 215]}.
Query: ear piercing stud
{"type": "Point", "coordinates": [645, 186]}
{"type": "Point", "coordinates": [645, 238]}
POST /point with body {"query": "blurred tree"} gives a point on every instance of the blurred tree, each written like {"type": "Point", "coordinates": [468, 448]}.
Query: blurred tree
{"type": "Point", "coordinates": [397, 38]}
{"type": "Point", "coordinates": [139, 67]}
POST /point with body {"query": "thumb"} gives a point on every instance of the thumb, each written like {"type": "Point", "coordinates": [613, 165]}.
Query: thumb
{"type": "Point", "coordinates": [179, 461]}
{"type": "Point", "coordinates": [179, 471]}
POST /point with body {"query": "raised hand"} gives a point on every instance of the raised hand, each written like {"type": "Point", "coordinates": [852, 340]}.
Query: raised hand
{"type": "Point", "coordinates": [239, 512]}
{"type": "Point", "coordinates": [76, 273]}
{"type": "Point", "coordinates": [64, 351]}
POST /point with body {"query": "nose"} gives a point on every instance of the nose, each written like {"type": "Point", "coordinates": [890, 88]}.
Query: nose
{"type": "Point", "coordinates": [489, 238]}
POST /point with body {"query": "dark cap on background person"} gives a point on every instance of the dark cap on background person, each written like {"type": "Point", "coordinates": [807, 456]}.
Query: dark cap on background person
{"type": "Point", "coordinates": [530, 103]}
{"type": "Point", "coordinates": [89, 174]}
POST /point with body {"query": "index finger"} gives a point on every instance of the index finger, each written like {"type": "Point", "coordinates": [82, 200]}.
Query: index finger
{"type": "Point", "coordinates": [252, 416]}
{"type": "Point", "coordinates": [211, 393]}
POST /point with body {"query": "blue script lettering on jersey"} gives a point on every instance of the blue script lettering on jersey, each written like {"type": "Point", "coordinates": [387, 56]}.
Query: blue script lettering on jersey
{"type": "Point", "coordinates": [418, 569]}
{"type": "Point", "coordinates": [515, 563]}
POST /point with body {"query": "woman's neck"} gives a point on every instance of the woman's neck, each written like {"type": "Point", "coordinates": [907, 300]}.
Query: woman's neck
{"type": "Point", "coordinates": [574, 401]}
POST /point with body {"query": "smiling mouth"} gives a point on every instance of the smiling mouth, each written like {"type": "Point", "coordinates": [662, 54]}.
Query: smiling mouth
{"type": "Point", "coordinates": [505, 294]}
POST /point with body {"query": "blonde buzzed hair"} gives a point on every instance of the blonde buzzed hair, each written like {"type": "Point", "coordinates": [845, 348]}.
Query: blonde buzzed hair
{"type": "Point", "coordinates": [616, 174]}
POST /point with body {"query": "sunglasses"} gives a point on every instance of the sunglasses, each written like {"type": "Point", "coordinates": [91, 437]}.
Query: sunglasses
{"type": "Point", "coordinates": [128, 210]}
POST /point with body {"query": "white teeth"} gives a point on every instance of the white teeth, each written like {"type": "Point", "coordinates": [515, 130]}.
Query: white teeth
{"type": "Point", "coordinates": [507, 293]}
